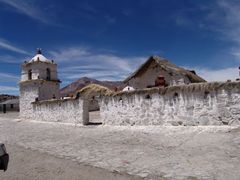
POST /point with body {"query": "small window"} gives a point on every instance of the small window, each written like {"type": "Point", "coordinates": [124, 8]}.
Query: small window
{"type": "Point", "coordinates": [11, 106]}
{"type": "Point", "coordinates": [30, 74]}
{"type": "Point", "coordinates": [48, 74]}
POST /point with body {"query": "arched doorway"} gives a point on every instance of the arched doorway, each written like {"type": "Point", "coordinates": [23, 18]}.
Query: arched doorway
{"type": "Point", "coordinates": [91, 108]}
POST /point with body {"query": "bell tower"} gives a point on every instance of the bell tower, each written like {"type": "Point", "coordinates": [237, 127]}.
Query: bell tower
{"type": "Point", "coordinates": [39, 81]}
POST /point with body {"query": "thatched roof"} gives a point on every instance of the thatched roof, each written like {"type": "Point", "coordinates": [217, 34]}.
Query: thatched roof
{"type": "Point", "coordinates": [167, 66]}
{"type": "Point", "coordinates": [190, 88]}
{"type": "Point", "coordinates": [95, 88]}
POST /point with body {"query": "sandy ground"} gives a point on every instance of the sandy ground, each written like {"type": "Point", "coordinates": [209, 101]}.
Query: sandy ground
{"type": "Point", "coordinates": [148, 152]}
{"type": "Point", "coordinates": [26, 164]}
{"type": "Point", "coordinates": [94, 117]}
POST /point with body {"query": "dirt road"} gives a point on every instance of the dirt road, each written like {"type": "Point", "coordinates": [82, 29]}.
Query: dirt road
{"type": "Point", "coordinates": [26, 164]}
{"type": "Point", "coordinates": [152, 152]}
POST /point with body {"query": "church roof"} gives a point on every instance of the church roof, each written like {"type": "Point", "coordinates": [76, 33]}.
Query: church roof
{"type": "Point", "coordinates": [167, 66]}
{"type": "Point", "coordinates": [39, 57]}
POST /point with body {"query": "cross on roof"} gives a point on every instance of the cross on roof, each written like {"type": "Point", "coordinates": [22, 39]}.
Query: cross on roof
{"type": "Point", "coordinates": [39, 51]}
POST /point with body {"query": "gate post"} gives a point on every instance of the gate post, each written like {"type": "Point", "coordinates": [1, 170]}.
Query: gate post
{"type": "Point", "coordinates": [85, 112]}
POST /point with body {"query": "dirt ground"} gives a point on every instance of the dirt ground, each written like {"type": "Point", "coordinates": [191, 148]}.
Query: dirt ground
{"type": "Point", "coordinates": [26, 164]}
{"type": "Point", "coordinates": [94, 117]}
{"type": "Point", "coordinates": [41, 150]}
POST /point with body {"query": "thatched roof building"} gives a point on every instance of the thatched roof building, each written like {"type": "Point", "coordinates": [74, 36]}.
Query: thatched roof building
{"type": "Point", "coordinates": [91, 92]}
{"type": "Point", "coordinates": [146, 75]}
{"type": "Point", "coordinates": [94, 89]}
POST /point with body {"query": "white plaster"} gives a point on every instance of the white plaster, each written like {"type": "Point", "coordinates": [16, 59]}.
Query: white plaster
{"type": "Point", "coordinates": [219, 107]}
{"type": "Point", "coordinates": [39, 71]}
{"type": "Point", "coordinates": [39, 57]}
{"type": "Point", "coordinates": [148, 78]}
{"type": "Point", "coordinates": [66, 111]}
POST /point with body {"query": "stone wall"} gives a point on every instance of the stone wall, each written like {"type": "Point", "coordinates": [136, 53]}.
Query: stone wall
{"type": "Point", "coordinates": [65, 111]}
{"type": "Point", "coordinates": [189, 105]}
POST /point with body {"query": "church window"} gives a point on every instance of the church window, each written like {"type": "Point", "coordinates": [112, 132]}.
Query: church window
{"type": "Point", "coordinates": [48, 74]}
{"type": "Point", "coordinates": [30, 74]}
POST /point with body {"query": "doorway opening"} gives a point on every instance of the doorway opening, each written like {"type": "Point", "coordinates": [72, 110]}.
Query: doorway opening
{"type": "Point", "coordinates": [92, 112]}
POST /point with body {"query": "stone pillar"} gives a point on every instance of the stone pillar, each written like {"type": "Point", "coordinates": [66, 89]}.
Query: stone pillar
{"type": "Point", "coordinates": [85, 111]}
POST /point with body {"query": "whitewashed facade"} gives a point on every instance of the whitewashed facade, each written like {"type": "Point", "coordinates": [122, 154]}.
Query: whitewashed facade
{"type": "Point", "coordinates": [187, 105]}
{"type": "Point", "coordinates": [39, 81]}
{"type": "Point", "coordinates": [146, 75]}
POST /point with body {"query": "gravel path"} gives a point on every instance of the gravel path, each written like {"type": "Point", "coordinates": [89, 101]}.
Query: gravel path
{"type": "Point", "coordinates": [148, 152]}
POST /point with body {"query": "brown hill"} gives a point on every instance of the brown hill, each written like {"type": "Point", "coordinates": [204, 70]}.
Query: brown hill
{"type": "Point", "coordinates": [84, 81]}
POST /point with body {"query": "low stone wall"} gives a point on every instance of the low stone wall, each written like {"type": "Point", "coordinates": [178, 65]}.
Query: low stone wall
{"type": "Point", "coordinates": [189, 105]}
{"type": "Point", "coordinates": [66, 111]}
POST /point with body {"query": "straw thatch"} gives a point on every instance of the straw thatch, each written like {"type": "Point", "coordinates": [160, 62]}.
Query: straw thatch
{"type": "Point", "coordinates": [167, 66]}
{"type": "Point", "coordinates": [198, 87]}
{"type": "Point", "coordinates": [92, 89]}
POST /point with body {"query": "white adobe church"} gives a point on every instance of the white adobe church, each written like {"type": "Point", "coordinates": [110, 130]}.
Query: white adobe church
{"type": "Point", "coordinates": [197, 103]}
{"type": "Point", "coordinates": [39, 81]}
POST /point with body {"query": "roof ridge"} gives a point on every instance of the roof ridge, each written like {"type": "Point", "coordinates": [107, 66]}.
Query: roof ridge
{"type": "Point", "coordinates": [165, 63]}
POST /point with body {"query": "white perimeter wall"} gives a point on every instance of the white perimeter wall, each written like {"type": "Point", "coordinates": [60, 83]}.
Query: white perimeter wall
{"type": "Point", "coordinates": [66, 111]}
{"type": "Point", "coordinates": [196, 104]}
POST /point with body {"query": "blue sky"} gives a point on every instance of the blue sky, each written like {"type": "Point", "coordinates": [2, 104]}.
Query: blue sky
{"type": "Point", "coordinates": [108, 39]}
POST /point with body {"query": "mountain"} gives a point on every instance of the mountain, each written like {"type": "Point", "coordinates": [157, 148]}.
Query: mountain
{"type": "Point", "coordinates": [4, 97]}
{"type": "Point", "coordinates": [84, 81]}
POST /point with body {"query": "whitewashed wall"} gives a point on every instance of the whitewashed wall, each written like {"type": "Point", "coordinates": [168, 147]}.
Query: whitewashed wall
{"type": "Point", "coordinates": [189, 105]}
{"type": "Point", "coordinates": [66, 111]}
{"type": "Point", "coordinates": [35, 89]}
{"type": "Point", "coordinates": [39, 71]}
{"type": "Point", "coordinates": [148, 78]}
{"type": "Point", "coordinates": [28, 94]}
{"type": "Point", "coordinates": [49, 89]}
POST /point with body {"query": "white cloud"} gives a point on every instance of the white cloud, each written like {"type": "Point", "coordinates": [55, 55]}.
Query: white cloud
{"type": "Point", "coordinates": [224, 19]}
{"type": "Point", "coordinates": [29, 8]}
{"type": "Point", "coordinates": [219, 16]}
{"type": "Point", "coordinates": [9, 59]}
{"type": "Point", "coordinates": [230, 19]}
{"type": "Point", "coordinates": [6, 77]}
{"type": "Point", "coordinates": [77, 62]}
{"type": "Point", "coordinates": [8, 90]}
{"type": "Point", "coordinates": [182, 21]}
{"type": "Point", "coordinates": [6, 45]}
{"type": "Point", "coordinates": [8, 83]}
{"type": "Point", "coordinates": [219, 74]}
